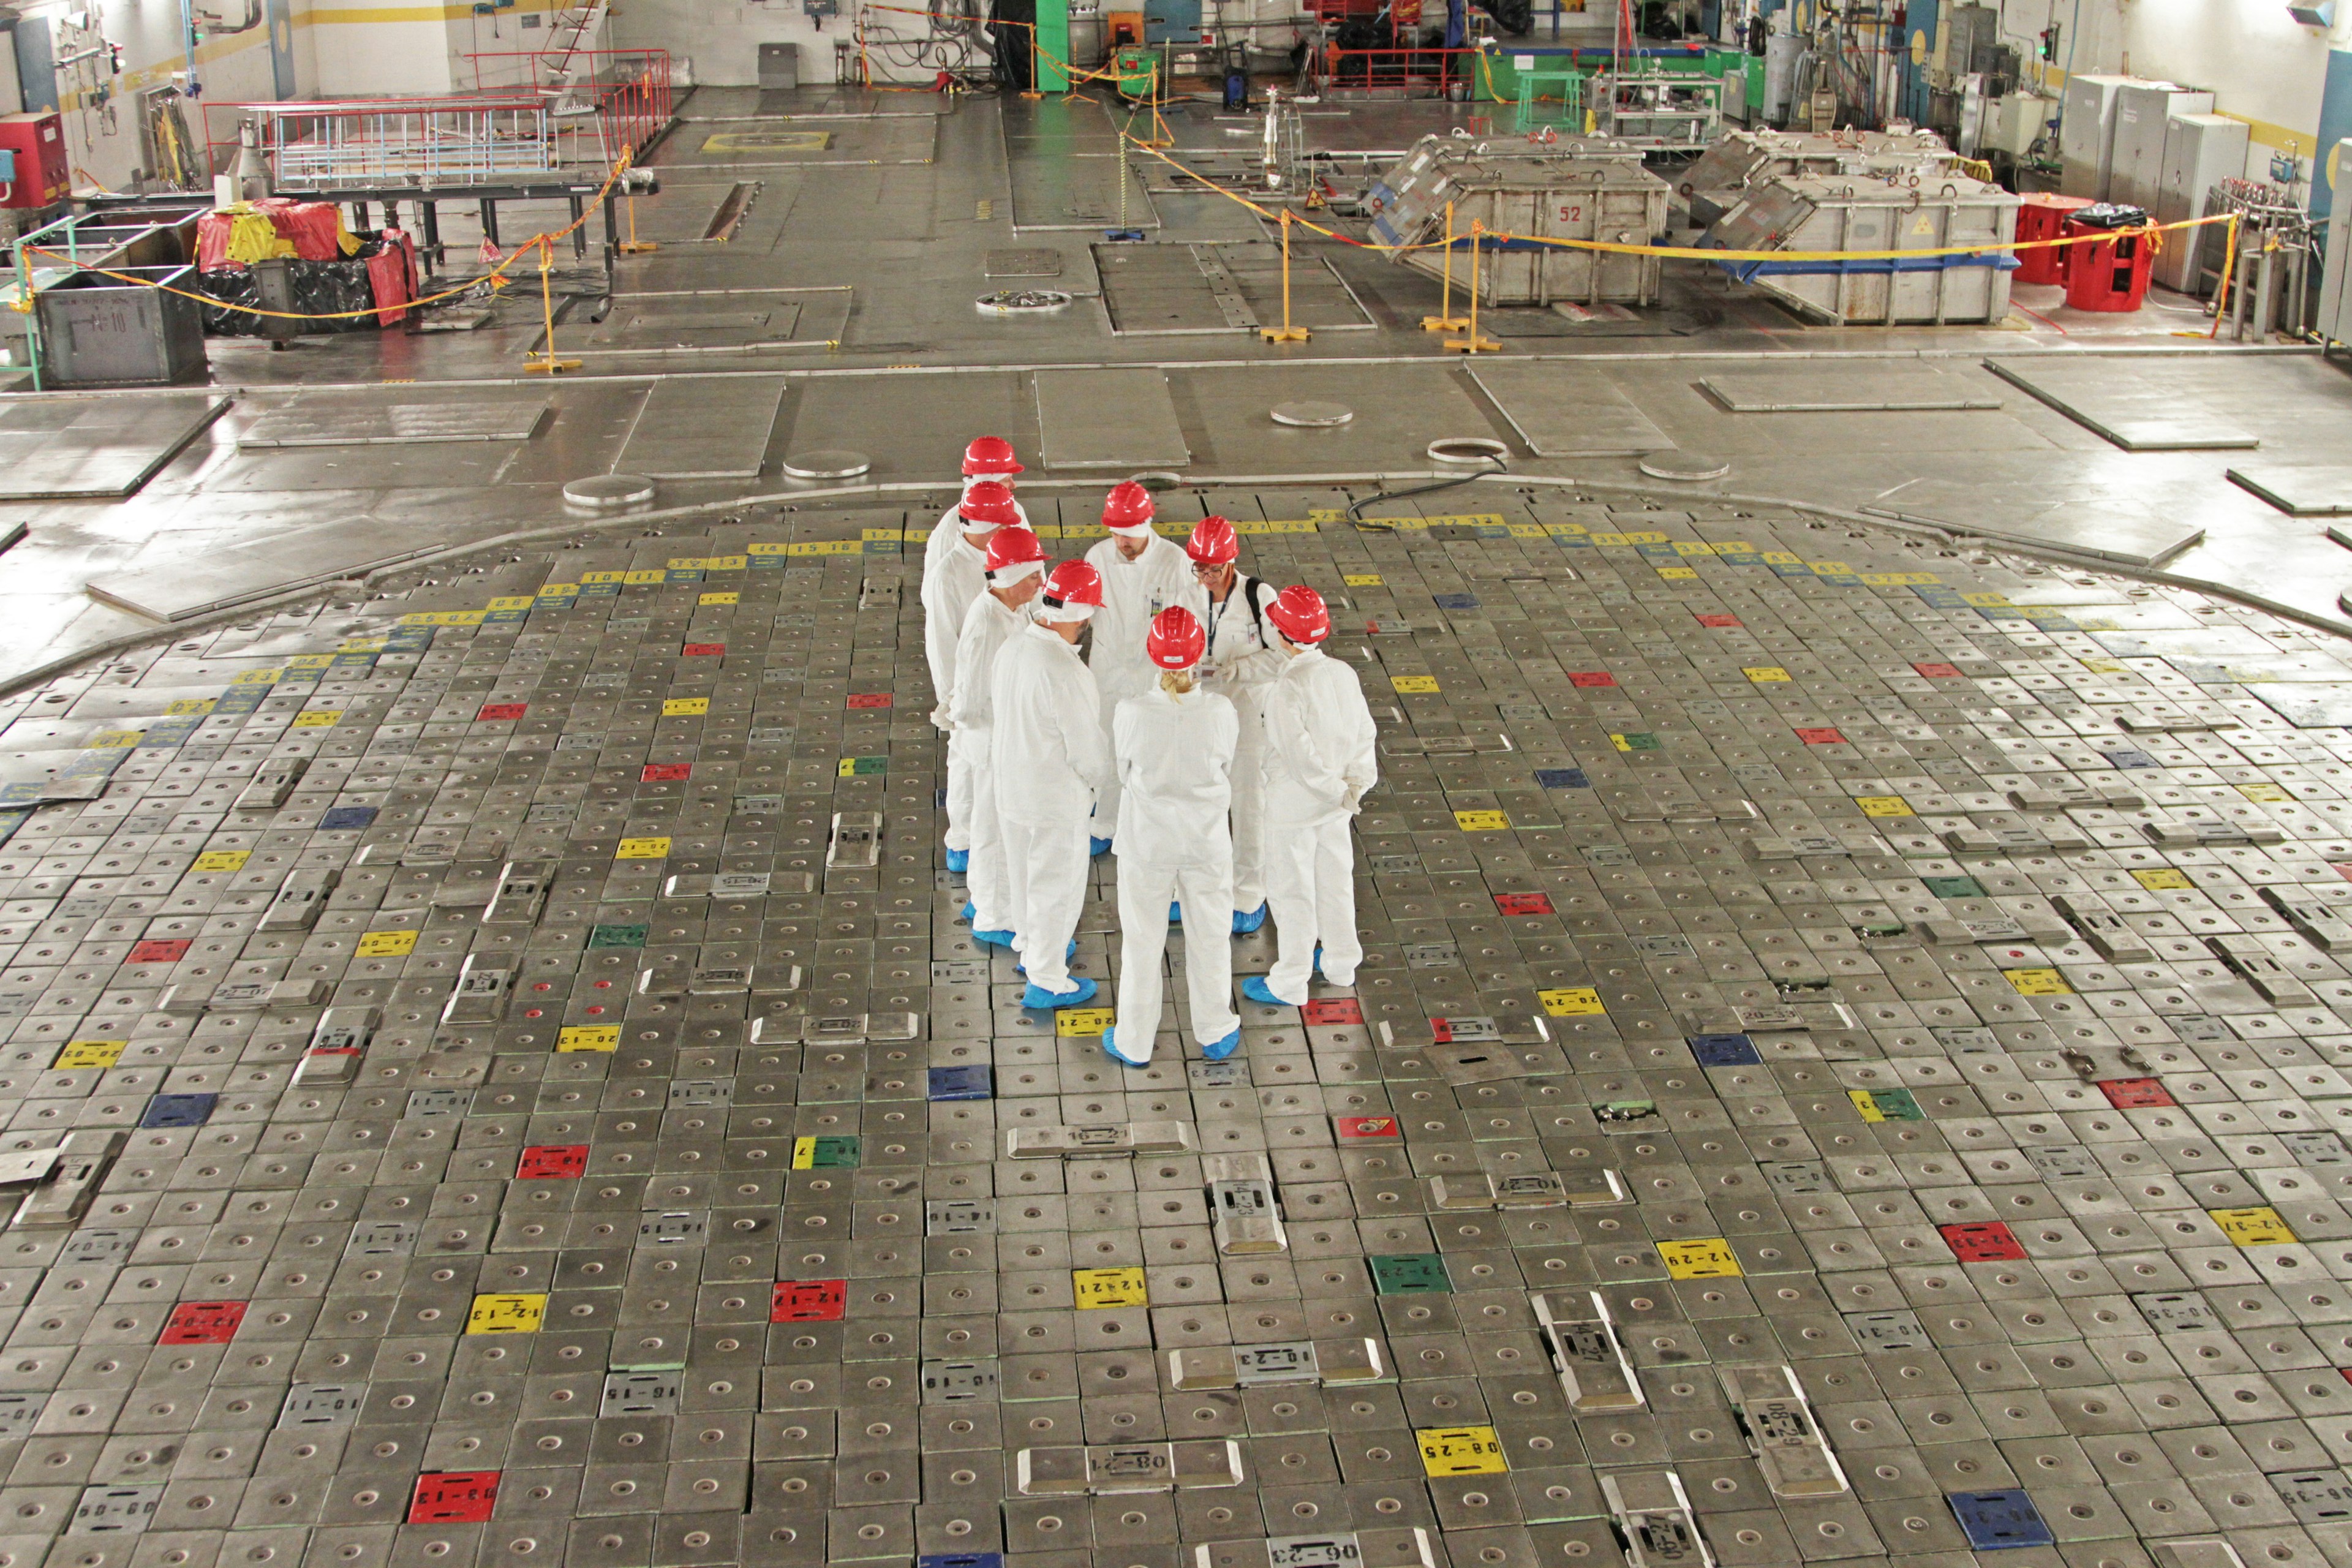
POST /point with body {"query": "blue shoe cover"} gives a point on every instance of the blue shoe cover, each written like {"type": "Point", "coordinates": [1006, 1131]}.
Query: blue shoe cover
{"type": "Point", "coordinates": [1110, 1050]}
{"type": "Point", "coordinates": [1256, 990]}
{"type": "Point", "coordinates": [959, 860]}
{"type": "Point", "coordinates": [1218, 1050]}
{"type": "Point", "coordinates": [1248, 921]}
{"type": "Point", "coordinates": [1036, 996]}
{"type": "Point", "coordinates": [967, 910]}
{"type": "Point", "coordinates": [1097, 846]}
{"type": "Point", "coordinates": [1069, 954]}
{"type": "Point", "coordinates": [994, 938]}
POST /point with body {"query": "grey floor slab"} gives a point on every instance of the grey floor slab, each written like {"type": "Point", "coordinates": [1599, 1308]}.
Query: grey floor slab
{"type": "Point", "coordinates": [2136, 405]}
{"type": "Point", "coordinates": [1107, 420]}
{"type": "Point", "coordinates": [683, 432]}
{"type": "Point", "coordinates": [60, 447]}
{"type": "Point", "coordinates": [1567, 411]}
{"type": "Point", "coordinates": [1841, 388]}
{"type": "Point", "coordinates": [380, 419]}
{"type": "Point", "coordinates": [2305, 490]}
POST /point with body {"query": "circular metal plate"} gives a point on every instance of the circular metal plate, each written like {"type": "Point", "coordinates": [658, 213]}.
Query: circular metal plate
{"type": "Point", "coordinates": [1689, 466]}
{"type": "Point", "coordinates": [1313, 416]}
{"type": "Point", "coordinates": [1022, 302]}
{"type": "Point", "coordinates": [831, 463]}
{"type": "Point", "coordinates": [607, 492]}
{"type": "Point", "coordinates": [1157, 479]}
{"type": "Point", "coordinates": [1470, 450]}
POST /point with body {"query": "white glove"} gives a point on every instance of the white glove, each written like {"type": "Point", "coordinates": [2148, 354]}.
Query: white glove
{"type": "Point", "coordinates": [940, 720]}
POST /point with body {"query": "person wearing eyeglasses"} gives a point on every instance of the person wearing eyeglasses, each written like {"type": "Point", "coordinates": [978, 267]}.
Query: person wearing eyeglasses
{"type": "Point", "coordinates": [1232, 606]}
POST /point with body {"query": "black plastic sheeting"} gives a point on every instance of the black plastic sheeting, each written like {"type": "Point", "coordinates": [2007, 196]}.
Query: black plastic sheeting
{"type": "Point", "coordinates": [320, 287]}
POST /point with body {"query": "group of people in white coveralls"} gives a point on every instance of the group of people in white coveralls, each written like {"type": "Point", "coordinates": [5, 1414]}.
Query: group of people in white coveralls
{"type": "Point", "coordinates": [1204, 736]}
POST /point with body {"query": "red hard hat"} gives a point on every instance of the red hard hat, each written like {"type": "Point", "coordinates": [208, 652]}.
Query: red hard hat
{"type": "Point", "coordinates": [1075, 583]}
{"type": "Point", "coordinates": [1214, 542]}
{"type": "Point", "coordinates": [1176, 640]}
{"type": "Point", "coordinates": [1128, 506]}
{"type": "Point", "coordinates": [989, 454]}
{"type": "Point", "coordinates": [1013, 546]}
{"type": "Point", "coordinates": [989, 503]}
{"type": "Point", "coordinates": [1299, 614]}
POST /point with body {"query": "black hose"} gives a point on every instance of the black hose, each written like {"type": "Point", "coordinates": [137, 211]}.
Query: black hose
{"type": "Point", "coordinates": [1496, 465]}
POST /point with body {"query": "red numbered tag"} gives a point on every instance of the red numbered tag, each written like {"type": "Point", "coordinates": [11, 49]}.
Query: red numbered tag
{"type": "Point", "coordinates": [809, 1301]}
{"type": "Point", "coordinates": [1985, 1241]}
{"type": "Point", "coordinates": [202, 1323]}
{"type": "Point", "coordinates": [493, 710]}
{"type": "Point", "coordinates": [1718, 620]}
{"type": "Point", "coordinates": [552, 1162]}
{"type": "Point", "coordinates": [869, 699]}
{"type": "Point", "coordinates": [159, 950]}
{"type": "Point", "coordinates": [1938, 671]}
{"type": "Point", "coordinates": [1367, 1129]}
{"type": "Point", "coordinates": [1336, 1010]}
{"type": "Point", "coordinates": [1821, 737]}
{"type": "Point", "coordinates": [1524, 903]}
{"type": "Point", "coordinates": [703, 649]}
{"type": "Point", "coordinates": [1591, 678]}
{"type": "Point", "coordinates": [665, 773]}
{"type": "Point", "coordinates": [2125, 1093]}
{"type": "Point", "coordinates": [454, 1496]}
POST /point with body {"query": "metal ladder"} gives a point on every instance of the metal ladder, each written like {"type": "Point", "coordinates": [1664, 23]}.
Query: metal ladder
{"type": "Point", "coordinates": [559, 61]}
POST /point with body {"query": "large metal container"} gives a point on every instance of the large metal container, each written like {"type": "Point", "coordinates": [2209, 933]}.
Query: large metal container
{"type": "Point", "coordinates": [2201, 151]}
{"type": "Point", "coordinates": [1714, 181]}
{"type": "Point", "coordinates": [102, 332]}
{"type": "Point", "coordinates": [2086, 134]}
{"type": "Point", "coordinates": [1577, 188]}
{"type": "Point", "coordinates": [1810, 214]}
{"type": "Point", "coordinates": [2136, 162]}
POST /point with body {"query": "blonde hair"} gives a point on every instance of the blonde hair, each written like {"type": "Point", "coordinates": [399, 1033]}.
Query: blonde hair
{"type": "Point", "coordinates": [1176, 682]}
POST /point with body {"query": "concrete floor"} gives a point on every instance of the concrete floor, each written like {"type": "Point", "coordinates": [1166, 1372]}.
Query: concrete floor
{"type": "Point", "coordinates": [1869, 927]}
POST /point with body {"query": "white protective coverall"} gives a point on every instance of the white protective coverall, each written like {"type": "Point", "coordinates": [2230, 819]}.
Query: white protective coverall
{"type": "Point", "coordinates": [1049, 760]}
{"type": "Point", "coordinates": [1175, 765]}
{"type": "Point", "coordinates": [1240, 668]}
{"type": "Point", "coordinates": [1320, 761]}
{"type": "Point", "coordinates": [1133, 591]}
{"type": "Point", "coordinates": [988, 625]}
{"type": "Point", "coordinates": [955, 573]}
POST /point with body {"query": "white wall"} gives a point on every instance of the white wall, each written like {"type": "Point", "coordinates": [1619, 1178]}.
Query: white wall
{"type": "Point", "coordinates": [723, 37]}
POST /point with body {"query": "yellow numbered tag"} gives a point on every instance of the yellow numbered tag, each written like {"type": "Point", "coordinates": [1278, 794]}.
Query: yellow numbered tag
{"type": "Point", "coordinates": [685, 706]}
{"type": "Point", "coordinates": [112, 740]}
{"type": "Point", "coordinates": [721, 599]}
{"type": "Point", "coordinates": [1364, 580]}
{"type": "Point", "coordinates": [91, 1054]}
{"type": "Point", "coordinates": [2264, 794]}
{"type": "Point", "coordinates": [1461, 1451]}
{"type": "Point", "coordinates": [1709, 1258]}
{"type": "Point", "coordinates": [1868, 1103]}
{"type": "Point", "coordinates": [2164, 880]}
{"type": "Point", "coordinates": [1481, 821]}
{"type": "Point", "coordinates": [1080, 1023]}
{"type": "Point", "coordinates": [1679, 573]}
{"type": "Point", "coordinates": [222, 859]}
{"type": "Point", "coordinates": [387, 943]}
{"type": "Point", "coordinates": [256, 678]}
{"type": "Point", "coordinates": [642, 849]}
{"type": "Point", "coordinates": [2259, 1226]}
{"type": "Point", "coordinates": [1109, 1288]}
{"type": "Point", "coordinates": [1985, 601]}
{"type": "Point", "coordinates": [1762, 673]}
{"type": "Point", "coordinates": [1572, 1002]}
{"type": "Point", "coordinates": [1409, 683]}
{"type": "Point", "coordinates": [589, 1037]}
{"type": "Point", "coordinates": [318, 719]}
{"type": "Point", "coordinates": [1883, 806]}
{"type": "Point", "coordinates": [518, 1313]}
{"type": "Point", "coordinates": [190, 706]}
{"type": "Point", "coordinates": [2039, 982]}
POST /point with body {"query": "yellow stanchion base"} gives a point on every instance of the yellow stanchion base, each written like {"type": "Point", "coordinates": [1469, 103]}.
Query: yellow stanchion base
{"type": "Point", "coordinates": [1472, 345]}
{"type": "Point", "coordinates": [1283, 334]}
{"type": "Point", "coordinates": [637, 246]}
{"type": "Point", "coordinates": [539, 364]}
{"type": "Point", "coordinates": [1445, 323]}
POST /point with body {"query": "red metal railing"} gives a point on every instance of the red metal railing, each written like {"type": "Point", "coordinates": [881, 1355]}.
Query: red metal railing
{"type": "Point", "coordinates": [1409, 68]}
{"type": "Point", "coordinates": [630, 88]}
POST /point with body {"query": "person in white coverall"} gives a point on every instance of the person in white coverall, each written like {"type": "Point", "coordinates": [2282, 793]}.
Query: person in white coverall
{"type": "Point", "coordinates": [952, 580]}
{"type": "Point", "coordinates": [1016, 566]}
{"type": "Point", "coordinates": [1049, 760]}
{"type": "Point", "coordinates": [1239, 666]}
{"type": "Point", "coordinates": [1142, 574]}
{"type": "Point", "coordinates": [1320, 762]}
{"type": "Point", "coordinates": [1174, 747]}
{"type": "Point", "coordinates": [989, 460]}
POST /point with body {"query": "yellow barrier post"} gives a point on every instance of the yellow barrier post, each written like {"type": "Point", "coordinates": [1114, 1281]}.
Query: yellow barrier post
{"type": "Point", "coordinates": [2228, 270]}
{"type": "Point", "coordinates": [545, 362]}
{"type": "Point", "coordinates": [632, 246]}
{"type": "Point", "coordinates": [1286, 333]}
{"type": "Point", "coordinates": [1474, 343]}
{"type": "Point", "coordinates": [1446, 320]}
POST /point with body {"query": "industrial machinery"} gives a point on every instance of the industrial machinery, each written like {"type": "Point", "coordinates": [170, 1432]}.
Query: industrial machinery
{"type": "Point", "coordinates": [1814, 212]}
{"type": "Point", "coordinates": [1656, 108]}
{"type": "Point", "coordinates": [1530, 189]}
